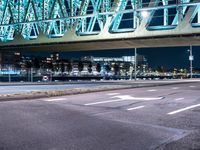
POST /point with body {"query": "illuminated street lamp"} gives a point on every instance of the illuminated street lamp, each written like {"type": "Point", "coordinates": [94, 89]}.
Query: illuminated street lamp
{"type": "Point", "coordinates": [191, 58]}
{"type": "Point", "coordinates": [135, 67]}
{"type": "Point", "coordinates": [135, 64]}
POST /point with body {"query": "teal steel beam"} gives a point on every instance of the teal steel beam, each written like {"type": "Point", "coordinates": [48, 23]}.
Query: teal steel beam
{"type": "Point", "coordinates": [198, 19]}
{"type": "Point", "coordinates": [166, 15]}
{"type": "Point", "coordinates": [54, 18]}
{"type": "Point", "coordinates": [181, 9]}
{"type": "Point", "coordinates": [107, 13]}
{"type": "Point", "coordinates": [117, 18]}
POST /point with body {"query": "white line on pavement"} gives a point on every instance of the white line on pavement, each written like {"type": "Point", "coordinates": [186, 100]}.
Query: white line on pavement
{"type": "Point", "coordinates": [134, 108]}
{"type": "Point", "coordinates": [125, 98]}
{"type": "Point", "coordinates": [55, 99]}
{"type": "Point", "coordinates": [112, 94]}
{"type": "Point", "coordinates": [175, 88]}
{"type": "Point", "coordinates": [192, 86]}
{"type": "Point", "coordinates": [178, 99]}
{"type": "Point", "coordinates": [153, 90]}
{"type": "Point", "coordinates": [102, 102]}
{"type": "Point", "coordinates": [183, 109]}
{"type": "Point", "coordinates": [128, 97]}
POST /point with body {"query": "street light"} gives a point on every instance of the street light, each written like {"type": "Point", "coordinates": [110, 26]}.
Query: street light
{"type": "Point", "coordinates": [135, 67]}
{"type": "Point", "coordinates": [135, 64]}
{"type": "Point", "coordinates": [191, 58]}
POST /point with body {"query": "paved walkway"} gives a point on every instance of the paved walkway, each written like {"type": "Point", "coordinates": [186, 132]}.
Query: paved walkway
{"type": "Point", "coordinates": [14, 91]}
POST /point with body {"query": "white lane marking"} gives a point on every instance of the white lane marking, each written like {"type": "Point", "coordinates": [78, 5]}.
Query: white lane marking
{"type": "Point", "coordinates": [111, 94]}
{"type": "Point", "coordinates": [124, 98]}
{"type": "Point", "coordinates": [55, 99]}
{"type": "Point", "coordinates": [128, 97]}
{"type": "Point", "coordinates": [175, 88]}
{"type": "Point", "coordinates": [153, 90]}
{"type": "Point", "coordinates": [183, 109]}
{"type": "Point", "coordinates": [178, 99]}
{"type": "Point", "coordinates": [134, 108]}
{"type": "Point", "coordinates": [192, 86]}
{"type": "Point", "coordinates": [102, 102]}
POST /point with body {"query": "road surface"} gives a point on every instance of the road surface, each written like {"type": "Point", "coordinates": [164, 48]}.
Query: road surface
{"type": "Point", "coordinates": [155, 118]}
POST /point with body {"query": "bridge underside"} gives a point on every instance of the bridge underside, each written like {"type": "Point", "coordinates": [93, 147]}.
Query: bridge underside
{"type": "Point", "coordinates": [56, 25]}
{"type": "Point", "coordinates": [110, 44]}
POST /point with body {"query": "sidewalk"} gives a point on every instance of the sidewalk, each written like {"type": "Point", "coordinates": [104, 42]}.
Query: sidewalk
{"type": "Point", "coordinates": [112, 85]}
{"type": "Point", "coordinates": [97, 81]}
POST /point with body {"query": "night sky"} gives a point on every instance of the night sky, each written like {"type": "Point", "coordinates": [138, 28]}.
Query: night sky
{"type": "Point", "coordinates": [171, 57]}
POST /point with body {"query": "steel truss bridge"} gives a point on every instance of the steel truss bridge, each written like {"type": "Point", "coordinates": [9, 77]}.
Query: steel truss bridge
{"type": "Point", "coordinates": [98, 24]}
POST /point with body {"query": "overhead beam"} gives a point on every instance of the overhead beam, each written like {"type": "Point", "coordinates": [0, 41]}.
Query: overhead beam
{"type": "Point", "coordinates": [111, 44]}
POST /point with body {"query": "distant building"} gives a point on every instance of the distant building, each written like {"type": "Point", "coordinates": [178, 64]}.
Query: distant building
{"type": "Point", "coordinates": [109, 66]}
{"type": "Point", "coordinates": [131, 59]}
{"type": "Point", "coordinates": [9, 59]}
{"type": "Point", "coordinates": [55, 56]}
{"type": "Point", "coordinates": [120, 65]}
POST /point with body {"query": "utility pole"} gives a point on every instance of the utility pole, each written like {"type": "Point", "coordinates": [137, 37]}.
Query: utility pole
{"type": "Point", "coordinates": [131, 71]}
{"type": "Point", "coordinates": [9, 76]}
{"type": "Point", "coordinates": [135, 64]}
{"type": "Point", "coordinates": [31, 73]}
{"type": "Point", "coordinates": [51, 75]}
{"type": "Point", "coordinates": [191, 58]}
{"type": "Point", "coordinates": [135, 67]}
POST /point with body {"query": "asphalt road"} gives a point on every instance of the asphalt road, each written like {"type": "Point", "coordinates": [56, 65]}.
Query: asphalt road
{"type": "Point", "coordinates": [155, 118]}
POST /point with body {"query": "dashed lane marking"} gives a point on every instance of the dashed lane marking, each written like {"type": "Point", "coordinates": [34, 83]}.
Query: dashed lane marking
{"type": "Point", "coordinates": [112, 94]}
{"type": "Point", "coordinates": [153, 90]}
{"type": "Point", "coordinates": [183, 109]}
{"type": "Point", "coordinates": [178, 99]}
{"type": "Point", "coordinates": [175, 88]}
{"type": "Point", "coordinates": [124, 97]}
{"type": "Point", "coordinates": [192, 86]}
{"type": "Point", "coordinates": [128, 97]}
{"type": "Point", "coordinates": [134, 108]}
{"type": "Point", "coordinates": [54, 99]}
